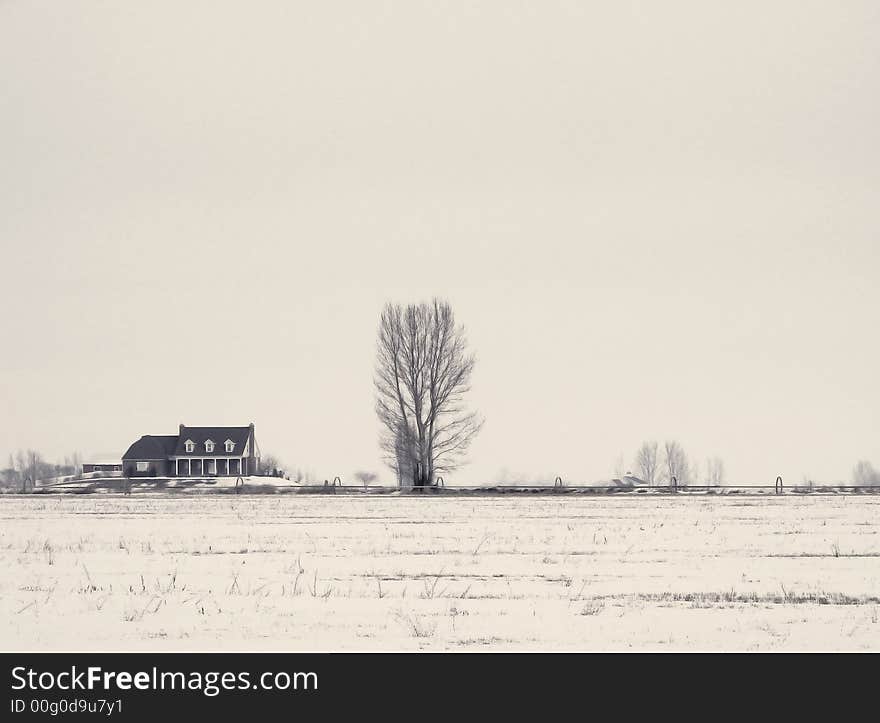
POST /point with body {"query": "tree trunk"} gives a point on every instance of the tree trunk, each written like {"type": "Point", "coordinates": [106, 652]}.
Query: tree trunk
{"type": "Point", "coordinates": [421, 476]}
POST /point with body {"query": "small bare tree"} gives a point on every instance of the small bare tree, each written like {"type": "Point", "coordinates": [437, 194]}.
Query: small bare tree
{"type": "Point", "coordinates": [423, 373]}
{"type": "Point", "coordinates": [676, 463]}
{"type": "Point", "coordinates": [30, 466]}
{"type": "Point", "coordinates": [21, 466]}
{"type": "Point", "coordinates": [365, 478]}
{"type": "Point", "coordinates": [715, 471]}
{"type": "Point", "coordinates": [646, 462]}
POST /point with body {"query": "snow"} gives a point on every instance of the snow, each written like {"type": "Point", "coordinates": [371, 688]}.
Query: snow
{"type": "Point", "coordinates": [390, 572]}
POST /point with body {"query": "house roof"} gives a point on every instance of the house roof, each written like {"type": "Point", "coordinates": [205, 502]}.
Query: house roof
{"type": "Point", "coordinates": [218, 435]}
{"type": "Point", "coordinates": [152, 446]}
{"type": "Point", "coordinates": [629, 480]}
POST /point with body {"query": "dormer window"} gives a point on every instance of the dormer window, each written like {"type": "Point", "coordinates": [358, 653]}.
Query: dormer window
{"type": "Point", "coordinates": [190, 446]}
{"type": "Point", "coordinates": [209, 446]}
{"type": "Point", "coordinates": [230, 445]}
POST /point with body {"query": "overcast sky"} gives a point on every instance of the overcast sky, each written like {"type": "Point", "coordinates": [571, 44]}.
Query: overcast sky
{"type": "Point", "coordinates": [656, 220]}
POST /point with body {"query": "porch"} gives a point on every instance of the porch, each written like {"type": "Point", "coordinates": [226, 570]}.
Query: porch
{"type": "Point", "coordinates": [211, 466]}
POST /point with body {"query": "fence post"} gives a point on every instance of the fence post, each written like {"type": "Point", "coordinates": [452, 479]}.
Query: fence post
{"type": "Point", "coordinates": [778, 487]}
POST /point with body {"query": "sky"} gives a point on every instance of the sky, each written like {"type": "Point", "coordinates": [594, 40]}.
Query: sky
{"type": "Point", "coordinates": [655, 220]}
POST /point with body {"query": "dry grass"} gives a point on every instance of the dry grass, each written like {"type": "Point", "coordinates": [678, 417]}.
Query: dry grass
{"type": "Point", "coordinates": [348, 573]}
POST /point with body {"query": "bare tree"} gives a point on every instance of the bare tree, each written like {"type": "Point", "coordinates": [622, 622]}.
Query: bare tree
{"type": "Point", "coordinates": [693, 471]}
{"type": "Point", "coordinates": [21, 465]}
{"type": "Point", "coordinates": [13, 473]}
{"type": "Point", "coordinates": [32, 468]}
{"type": "Point", "coordinates": [423, 372]}
{"type": "Point", "coordinates": [676, 463]}
{"type": "Point", "coordinates": [864, 475]}
{"type": "Point", "coordinates": [646, 462]}
{"type": "Point", "coordinates": [365, 478]}
{"type": "Point", "coordinates": [270, 466]}
{"type": "Point", "coordinates": [715, 471]}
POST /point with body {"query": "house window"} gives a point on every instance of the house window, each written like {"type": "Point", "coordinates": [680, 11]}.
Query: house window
{"type": "Point", "coordinates": [209, 446]}
{"type": "Point", "coordinates": [190, 446]}
{"type": "Point", "coordinates": [143, 466]}
{"type": "Point", "coordinates": [230, 445]}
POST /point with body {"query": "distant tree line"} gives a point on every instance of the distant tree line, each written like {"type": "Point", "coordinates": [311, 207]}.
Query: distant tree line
{"type": "Point", "coordinates": [272, 466]}
{"type": "Point", "coordinates": [25, 468]}
{"type": "Point", "coordinates": [657, 466]}
{"type": "Point", "coordinates": [864, 475]}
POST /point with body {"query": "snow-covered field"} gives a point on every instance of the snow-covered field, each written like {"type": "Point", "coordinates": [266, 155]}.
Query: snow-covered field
{"type": "Point", "coordinates": [149, 572]}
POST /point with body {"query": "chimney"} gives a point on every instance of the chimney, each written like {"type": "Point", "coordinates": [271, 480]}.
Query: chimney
{"type": "Point", "coordinates": [180, 429]}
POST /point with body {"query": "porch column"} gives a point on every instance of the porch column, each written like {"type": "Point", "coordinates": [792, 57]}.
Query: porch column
{"type": "Point", "coordinates": [189, 468]}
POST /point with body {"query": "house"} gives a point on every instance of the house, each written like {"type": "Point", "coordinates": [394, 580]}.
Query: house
{"type": "Point", "coordinates": [194, 452]}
